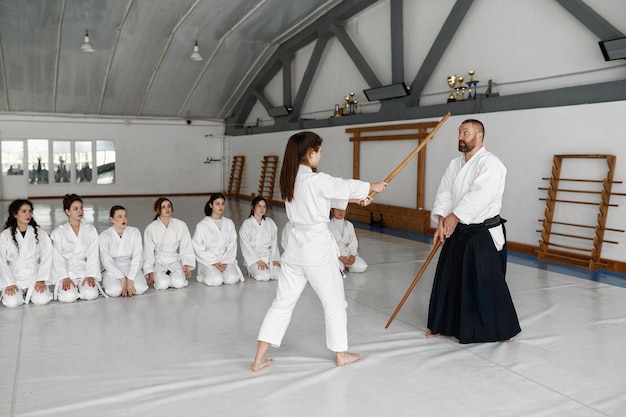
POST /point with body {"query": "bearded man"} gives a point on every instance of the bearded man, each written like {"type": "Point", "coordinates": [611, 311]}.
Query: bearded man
{"type": "Point", "coordinates": [470, 299]}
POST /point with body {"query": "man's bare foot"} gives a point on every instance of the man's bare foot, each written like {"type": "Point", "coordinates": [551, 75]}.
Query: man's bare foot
{"type": "Point", "coordinates": [258, 365]}
{"type": "Point", "coordinates": [346, 358]}
{"type": "Point", "coordinates": [508, 340]}
{"type": "Point", "coordinates": [431, 334]}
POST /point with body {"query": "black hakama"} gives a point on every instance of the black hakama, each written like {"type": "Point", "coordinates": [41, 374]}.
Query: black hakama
{"type": "Point", "coordinates": [470, 299]}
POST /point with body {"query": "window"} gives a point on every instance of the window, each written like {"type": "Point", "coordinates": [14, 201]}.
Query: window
{"type": "Point", "coordinates": [38, 161]}
{"type": "Point", "coordinates": [13, 157]}
{"type": "Point", "coordinates": [83, 157]}
{"type": "Point", "coordinates": [62, 161]}
{"type": "Point", "coordinates": [105, 161]}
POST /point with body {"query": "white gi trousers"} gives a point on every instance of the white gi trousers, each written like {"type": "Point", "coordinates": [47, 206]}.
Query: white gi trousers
{"type": "Point", "coordinates": [359, 265]}
{"type": "Point", "coordinates": [272, 272]}
{"type": "Point", "coordinates": [113, 285]}
{"type": "Point", "coordinates": [327, 282]}
{"type": "Point", "coordinates": [17, 299]}
{"type": "Point", "coordinates": [169, 276]}
{"type": "Point", "coordinates": [213, 277]}
{"type": "Point", "coordinates": [80, 290]}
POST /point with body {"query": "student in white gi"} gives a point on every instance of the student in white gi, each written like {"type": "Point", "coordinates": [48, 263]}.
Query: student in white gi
{"type": "Point", "coordinates": [215, 243]}
{"type": "Point", "coordinates": [346, 239]}
{"type": "Point", "coordinates": [79, 261]}
{"type": "Point", "coordinates": [25, 258]}
{"type": "Point", "coordinates": [168, 256]}
{"type": "Point", "coordinates": [121, 256]}
{"type": "Point", "coordinates": [311, 254]}
{"type": "Point", "coordinates": [258, 237]}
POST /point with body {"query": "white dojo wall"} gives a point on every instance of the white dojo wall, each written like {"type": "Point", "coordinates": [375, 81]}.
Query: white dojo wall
{"type": "Point", "coordinates": [152, 156]}
{"type": "Point", "coordinates": [525, 141]}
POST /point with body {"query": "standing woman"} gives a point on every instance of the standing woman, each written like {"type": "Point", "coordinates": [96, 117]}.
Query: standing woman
{"type": "Point", "coordinates": [215, 243]}
{"type": "Point", "coordinates": [258, 237]}
{"type": "Point", "coordinates": [79, 263]}
{"type": "Point", "coordinates": [25, 258]}
{"type": "Point", "coordinates": [168, 256]}
{"type": "Point", "coordinates": [120, 252]}
{"type": "Point", "coordinates": [312, 254]}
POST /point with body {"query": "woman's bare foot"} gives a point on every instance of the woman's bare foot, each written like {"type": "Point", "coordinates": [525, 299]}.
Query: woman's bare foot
{"type": "Point", "coordinates": [264, 363]}
{"type": "Point", "coordinates": [346, 358]}
{"type": "Point", "coordinates": [431, 334]}
{"type": "Point", "coordinates": [260, 359]}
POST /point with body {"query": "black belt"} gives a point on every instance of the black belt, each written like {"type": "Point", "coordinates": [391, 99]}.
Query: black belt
{"type": "Point", "coordinates": [487, 224]}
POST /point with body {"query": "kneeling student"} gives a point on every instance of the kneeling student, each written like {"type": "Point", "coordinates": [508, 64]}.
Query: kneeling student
{"type": "Point", "coordinates": [346, 239]}
{"type": "Point", "coordinates": [25, 258]}
{"type": "Point", "coordinates": [120, 253]}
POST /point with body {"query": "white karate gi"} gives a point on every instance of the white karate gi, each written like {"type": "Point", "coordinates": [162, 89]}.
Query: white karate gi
{"type": "Point", "coordinates": [24, 265]}
{"type": "Point", "coordinates": [259, 242]}
{"type": "Point", "coordinates": [473, 189]}
{"type": "Point", "coordinates": [121, 257]}
{"type": "Point", "coordinates": [213, 244]}
{"type": "Point", "coordinates": [165, 251]}
{"type": "Point", "coordinates": [312, 256]}
{"type": "Point", "coordinates": [79, 258]}
{"type": "Point", "coordinates": [344, 234]}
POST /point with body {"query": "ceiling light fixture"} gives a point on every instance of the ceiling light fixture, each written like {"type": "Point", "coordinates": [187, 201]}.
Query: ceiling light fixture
{"type": "Point", "coordinates": [87, 46]}
{"type": "Point", "coordinates": [195, 55]}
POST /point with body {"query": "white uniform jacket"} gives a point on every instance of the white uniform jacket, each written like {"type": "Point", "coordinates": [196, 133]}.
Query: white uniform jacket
{"type": "Point", "coordinates": [213, 245]}
{"type": "Point", "coordinates": [259, 242]}
{"type": "Point", "coordinates": [121, 256]}
{"type": "Point", "coordinates": [308, 216]}
{"type": "Point", "coordinates": [473, 191]}
{"type": "Point", "coordinates": [345, 236]}
{"type": "Point", "coordinates": [28, 262]}
{"type": "Point", "coordinates": [80, 257]}
{"type": "Point", "coordinates": [167, 245]}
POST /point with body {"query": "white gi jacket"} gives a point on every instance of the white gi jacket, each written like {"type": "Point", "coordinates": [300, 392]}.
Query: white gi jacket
{"type": "Point", "coordinates": [80, 257]}
{"type": "Point", "coordinates": [213, 245]}
{"type": "Point", "coordinates": [259, 242]}
{"type": "Point", "coordinates": [30, 263]}
{"type": "Point", "coordinates": [308, 214]}
{"type": "Point", "coordinates": [168, 246]}
{"type": "Point", "coordinates": [473, 191]}
{"type": "Point", "coordinates": [121, 256]}
{"type": "Point", "coordinates": [344, 234]}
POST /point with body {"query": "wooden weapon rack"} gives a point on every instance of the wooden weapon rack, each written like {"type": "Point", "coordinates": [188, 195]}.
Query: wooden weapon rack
{"type": "Point", "coordinates": [236, 175]}
{"type": "Point", "coordinates": [413, 219]}
{"type": "Point", "coordinates": [269, 167]}
{"type": "Point", "coordinates": [567, 241]}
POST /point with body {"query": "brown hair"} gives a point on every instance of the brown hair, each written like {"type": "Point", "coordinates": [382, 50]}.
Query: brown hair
{"type": "Point", "coordinates": [157, 206]}
{"type": "Point", "coordinates": [296, 152]}
{"type": "Point", "coordinates": [69, 199]}
{"type": "Point", "coordinates": [256, 200]}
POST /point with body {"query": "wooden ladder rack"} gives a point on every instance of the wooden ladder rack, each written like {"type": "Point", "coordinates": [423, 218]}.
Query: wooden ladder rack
{"type": "Point", "coordinates": [268, 177]}
{"type": "Point", "coordinates": [236, 175]}
{"type": "Point", "coordinates": [576, 253]}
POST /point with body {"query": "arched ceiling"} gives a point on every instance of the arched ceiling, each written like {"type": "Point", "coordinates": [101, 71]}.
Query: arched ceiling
{"type": "Point", "coordinates": [141, 65]}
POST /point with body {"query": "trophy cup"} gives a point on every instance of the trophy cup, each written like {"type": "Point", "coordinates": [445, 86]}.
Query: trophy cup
{"type": "Point", "coordinates": [471, 85]}
{"type": "Point", "coordinates": [460, 90]}
{"type": "Point", "coordinates": [451, 84]}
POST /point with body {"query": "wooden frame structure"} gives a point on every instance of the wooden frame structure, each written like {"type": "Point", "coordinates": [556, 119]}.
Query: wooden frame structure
{"type": "Point", "coordinates": [414, 219]}
{"type": "Point", "coordinates": [573, 253]}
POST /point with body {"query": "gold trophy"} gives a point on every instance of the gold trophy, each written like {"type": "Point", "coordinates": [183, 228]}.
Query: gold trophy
{"type": "Point", "coordinates": [451, 84]}
{"type": "Point", "coordinates": [460, 90]}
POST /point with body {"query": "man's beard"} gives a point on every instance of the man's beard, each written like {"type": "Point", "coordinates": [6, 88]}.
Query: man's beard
{"type": "Point", "coordinates": [466, 147]}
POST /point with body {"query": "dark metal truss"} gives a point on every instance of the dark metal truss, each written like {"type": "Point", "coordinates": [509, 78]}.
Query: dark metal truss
{"type": "Point", "coordinates": [407, 108]}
